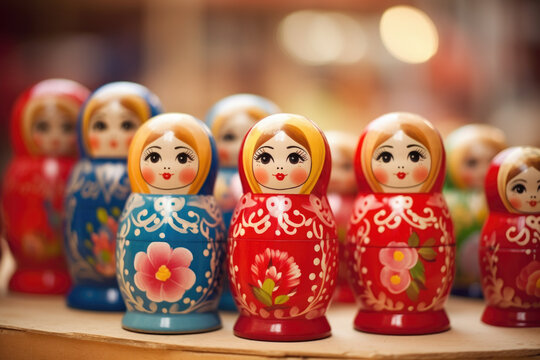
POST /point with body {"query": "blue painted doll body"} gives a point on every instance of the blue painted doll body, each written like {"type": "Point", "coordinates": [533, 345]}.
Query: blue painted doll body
{"type": "Point", "coordinates": [190, 233]}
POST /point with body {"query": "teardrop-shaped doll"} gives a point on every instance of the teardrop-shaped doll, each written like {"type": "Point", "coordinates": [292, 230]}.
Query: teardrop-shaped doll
{"type": "Point", "coordinates": [45, 150]}
{"type": "Point", "coordinates": [282, 239]}
{"type": "Point", "coordinates": [470, 150]}
{"type": "Point", "coordinates": [401, 240]}
{"type": "Point", "coordinates": [171, 244]}
{"type": "Point", "coordinates": [342, 191]}
{"type": "Point", "coordinates": [230, 119]}
{"type": "Point", "coordinates": [98, 189]}
{"type": "Point", "coordinates": [510, 241]}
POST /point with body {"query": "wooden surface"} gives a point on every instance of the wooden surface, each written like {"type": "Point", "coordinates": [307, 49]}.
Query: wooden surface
{"type": "Point", "coordinates": [44, 328]}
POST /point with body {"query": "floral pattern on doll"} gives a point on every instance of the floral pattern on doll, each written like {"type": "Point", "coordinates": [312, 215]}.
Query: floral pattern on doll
{"type": "Point", "coordinates": [103, 242]}
{"type": "Point", "coordinates": [275, 278]}
{"type": "Point", "coordinates": [528, 279]}
{"type": "Point", "coordinates": [163, 273]}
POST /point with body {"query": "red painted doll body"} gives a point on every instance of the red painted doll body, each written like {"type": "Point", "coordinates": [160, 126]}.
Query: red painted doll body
{"type": "Point", "coordinates": [400, 240]}
{"type": "Point", "coordinates": [510, 241]}
{"type": "Point", "coordinates": [44, 141]}
{"type": "Point", "coordinates": [282, 239]}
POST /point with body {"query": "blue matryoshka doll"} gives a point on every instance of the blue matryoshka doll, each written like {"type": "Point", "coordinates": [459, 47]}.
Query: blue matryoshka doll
{"type": "Point", "coordinates": [229, 120]}
{"type": "Point", "coordinates": [98, 189]}
{"type": "Point", "coordinates": [171, 242]}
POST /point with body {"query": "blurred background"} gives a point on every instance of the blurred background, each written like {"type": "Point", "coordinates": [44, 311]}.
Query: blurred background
{"type": "Point", "coordinates": [342, 63]}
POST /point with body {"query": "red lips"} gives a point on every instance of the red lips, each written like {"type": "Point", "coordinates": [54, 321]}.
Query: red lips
{"type": "Point", "coordinates": [533, 203]}
{"type": "Point", "coordinates": [166, 176]}
{"type": "Point", "coordinates": [113, 144]}
{"type": "Point", "coordinates": [401, 175]}
{"type": "Point", "coordinates": [280, 176]}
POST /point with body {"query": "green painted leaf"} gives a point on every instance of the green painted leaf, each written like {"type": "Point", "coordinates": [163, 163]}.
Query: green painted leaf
{"type": "Point", "coordinates": [262, 296]}
{"type": "Point", "coordinates": [429, 242]}
{"type": "Point", "coordinates": [414, 241]}
{"type": "Point", "coordinates": [412, 291]}
{"type": "Point", "coordinates": [281, 299]}
{"type": "Point", "coordinates": [420, 285]}
{"type": "Point", "coordinates": [427, 253]}
{"type": "Point", "coordinates": [418, 272]}
{"type": "Point", "coordinates": [268, 286]}
{"type": "Point", "coordinates": [102, 215]}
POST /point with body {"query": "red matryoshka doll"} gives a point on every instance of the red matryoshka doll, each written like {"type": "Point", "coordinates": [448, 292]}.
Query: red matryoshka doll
{"type": "Point", "coordinates": [510, 241]}
{"type": "Point", "coordinates": [401, 240]}
{"type": "Point", "coordinates": [341, 195]}
{"type": "Point", "coordinates": [282, 238]}
{"type": "Point", "coordinates": [45, 149]}
{"type": "Point", "coordinates": [470, 150]}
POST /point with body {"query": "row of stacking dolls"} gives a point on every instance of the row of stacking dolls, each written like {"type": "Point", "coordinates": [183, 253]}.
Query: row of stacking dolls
{"type": "Point", "coordinates": [163, 252]}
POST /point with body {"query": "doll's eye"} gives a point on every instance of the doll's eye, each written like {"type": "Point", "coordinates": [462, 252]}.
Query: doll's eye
{"type": "Point", "coordinates": [68, 127]}
{"type": "Point", "coordinates": [519, 188]}
{"type": "Point", "coordinates": [471, 163]}
{"type": "Point", "coordinates": [229, 137]}
{"type": "Point", "coordinates": [416, 156]}
{"type": "Point", "coordinates": [264, 158]}
{"type": "Point", "coordinates": [296, 157]}
{"type": "Point", "coordinates": [184, 157]}
{"type": "Point", "coordinates": [127, 125]}
{"type": "Point", "coordinates": [99, 125]}
{"type": "Point", "coordinates": [385, 157]}
{"type": "Point", "coordinates": [154, 157]}
{"type": "Point", "coordinates": [42, 126]}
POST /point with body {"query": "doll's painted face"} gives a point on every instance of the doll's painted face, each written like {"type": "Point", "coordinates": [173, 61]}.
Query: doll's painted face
{"type": "Point", "coordinates": [523, 191]}
{"type": "Point", "coordinates": [169, 165]}
{"type": "Point", "coordinates": [401, 164]}
{"type": "Point", "coordinates": [53, 131]}
{"type": "Point", "coordinates": [281, 165]}
{"type": "Point", "coordinates": [475, 164]}
{"type": "Point", "coordinates": [111, 129]}
{"type": "Point", "coordinates": [230, 136]}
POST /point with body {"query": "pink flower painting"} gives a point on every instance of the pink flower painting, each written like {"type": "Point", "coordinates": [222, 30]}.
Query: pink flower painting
{"type": "Point", "coordinates": [164, 273]}
{"type": "Point", "coordinates": [398, 260]}
{"type": "Point", "coordinates": [396, 281]}
{"type": "Point", "coordinates": [104, 247]}
{"type": "Point", "coordinates": [528, 279]}
{"type": "Point", "coordinates": [398, 256]}
{"type": "Point", "coordinates": [275, 276]}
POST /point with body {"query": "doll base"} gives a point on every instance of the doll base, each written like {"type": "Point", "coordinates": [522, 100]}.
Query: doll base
{"type": "Point", "coordinates": [96, 298]}
{"type": "Point", "coordinates": [35, 281]}
{"type": "Point", "coordinates": [428, 322]}
{"type": "Point", "coordinates": [281, 330]}
{"type": "Point", "coordinates": [226, 302]}
{"type": "Point", "coordinates": [171, 323]}
{"type": "Point", "coordinates": [511, 317]}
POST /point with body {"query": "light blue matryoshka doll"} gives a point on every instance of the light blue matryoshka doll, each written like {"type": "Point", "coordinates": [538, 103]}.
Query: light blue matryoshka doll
{"type": "Point", "coordinates": [98, 188]}
{"type": "Point", "coordinates": [229, 120]}
{"type": "Point", "coordinates": [171, 243]}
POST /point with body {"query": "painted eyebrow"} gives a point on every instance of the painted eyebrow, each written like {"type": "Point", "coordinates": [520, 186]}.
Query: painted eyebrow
{"type": "Point", "coordinates": [386, 146]}
{"type": "Point", "coordinates": [294, 146]}
{"type": "Point", "coordinates": [520, 180]}
{"type": "Point", "coordinates": [154, 146]}
{"type": "Point", "coordinates": [266, 146]}
{"type": "Point", "coordinates": [413, 145]}
{"type": "Point", "coordinates": [180, 147]}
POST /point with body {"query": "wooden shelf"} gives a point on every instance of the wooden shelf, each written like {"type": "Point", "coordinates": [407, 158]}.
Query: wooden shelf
{"type": "Point", "coordinates": [44, 328]}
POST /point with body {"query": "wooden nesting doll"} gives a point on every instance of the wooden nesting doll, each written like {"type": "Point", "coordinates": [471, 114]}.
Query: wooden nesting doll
{"type": "Point", "coordinates": [171, 245]}
{"type": "Point", "coordinates": [98, 189]}
{"type": "Point", "coordinates": [470, 150]}
{"type": "Point", "coordinates": [341, 195]}
{"type": "Point", "coordinates": [230, 119]}
{"type": "Point", "coordinates": [401, 240]}
{"type": "Point", "coordinates": [510, 241]}
{"type": "Point", "coordinates": [45, 149]}
{"type": "Point", "coordinates": [283, 239]}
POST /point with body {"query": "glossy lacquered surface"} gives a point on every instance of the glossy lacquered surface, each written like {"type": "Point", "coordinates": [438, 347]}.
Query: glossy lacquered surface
{"type": "Point", "coordinates": [43, 139]}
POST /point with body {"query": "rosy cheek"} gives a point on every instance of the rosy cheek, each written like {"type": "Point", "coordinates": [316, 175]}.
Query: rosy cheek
{"type": "Point", "coordinates": [148, 175]}
{"type": "Point", "coordinates": [128, 141]}
{"type": "Point", "coordinates": [420, 174]}
{"type": "Point", "coordinates": [38, 140]}
{"type": "Point", "coordinates": [381, 175]}
{"type": "Point", "coordinates": [261, 176]}
{"type": "Point", "coordinates": [187, 176]}
{"type": "Point", "coordinates": [94, 142]}
{"type": "Point", "coordinates": [515, 202]}
{"type": "Point", "coordinates": [299, 176]}
{"type": "Point", "coordinates": [223, 155]}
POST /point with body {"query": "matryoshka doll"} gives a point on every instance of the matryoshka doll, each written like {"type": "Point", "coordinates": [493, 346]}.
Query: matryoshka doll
{"type": "Point", "coordinates": [470, 150]}
{"type": "Point", "coordinates": [401, 240]}
{"type": "Point", "coordinates": [45, 149]}
{"type": "Point", "coordinates": [98, 189]}
{"type": "Point", "coordinates": [510, 241]}
{"type": "Point", "coordinates": [229, 120]}
{"type": "Point", "coordinates": [282, 239]}
{"type": "Point", "coordinates": [341, 195]}
{"type": "Point", "coordinates": [171, 246]}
